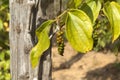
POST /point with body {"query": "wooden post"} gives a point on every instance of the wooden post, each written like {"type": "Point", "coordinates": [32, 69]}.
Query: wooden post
{"type": "Point", "coordinates": [26, 16]}
{"type": "Point", "coordinates": [22, 28]}
{"type": "Point", "coordinates": [45, 65]}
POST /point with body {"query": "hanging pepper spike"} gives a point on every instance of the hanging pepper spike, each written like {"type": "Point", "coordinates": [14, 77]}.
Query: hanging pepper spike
{"type": "Point", "coordinates": [60, 42]}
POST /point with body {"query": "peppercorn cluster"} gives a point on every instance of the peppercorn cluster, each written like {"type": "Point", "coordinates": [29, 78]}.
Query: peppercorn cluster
{"type": "Point", "coordinates": [60, 42]}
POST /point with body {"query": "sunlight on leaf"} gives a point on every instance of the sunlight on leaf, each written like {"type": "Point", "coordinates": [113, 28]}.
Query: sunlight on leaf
{"type": "Point", "coordinates": [79, 30]}
{"type": "Point", "coordinates": [112, 11]}
{"type": "Point", "coordinates": [92, 9]}
{"type": "Point", "coordinates": [1, 24]}
{"type": "Point", "coordinates": [43, 42]}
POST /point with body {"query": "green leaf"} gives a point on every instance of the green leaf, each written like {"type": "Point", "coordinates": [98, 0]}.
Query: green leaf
{"type": "Point", "coordinates": [112, 11]}
{"type": "Point", "coordinates": [92, 9]}
{"type": "Point", "coordinates": [1, 24]}
{"type": "Point", "coordinates": [74, 3]}
{"type": "Point", "coordinates": [43, 42]}
{"type": "Point", "coordinates": [118, 1]}
{"type": "Point", "coordinates": [79, 30]}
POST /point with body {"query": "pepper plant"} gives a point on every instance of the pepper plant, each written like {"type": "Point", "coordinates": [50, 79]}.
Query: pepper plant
{"type": "Point", "coordinates": [77, 22]}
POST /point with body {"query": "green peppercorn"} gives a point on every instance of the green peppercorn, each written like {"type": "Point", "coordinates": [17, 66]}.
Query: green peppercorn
{"type": "Point", "coordinates": [60, 42]}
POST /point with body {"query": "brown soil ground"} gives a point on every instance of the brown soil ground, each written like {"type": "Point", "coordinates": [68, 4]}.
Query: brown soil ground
{"type": "Point", "coordinates": [90, 66]}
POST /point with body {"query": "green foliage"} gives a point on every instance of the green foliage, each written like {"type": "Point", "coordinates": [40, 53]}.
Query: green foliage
{"type": "Point", "coordinates": [5, 65]}
{"type": "Point", "coordinates": [74, 3]}
{"type": "Point", "coordinates": [4, 10]}
{"type": "Point", "coordinates": [102, 34]}
{"type": "Point", "coordinates": [43, 42]}
{"type": "Point", "coordinates": [86, 26]}
{"type": "Point", "coordinates": [92, 9]}
{"type": "Point", "coordinates": [112, 11]}
{"type": "Point", "coordinates": [4, 43]}
{"type": "Point", "coordinates": [79, 31]}
{"type": "Point", "coordinates": [1, 24]}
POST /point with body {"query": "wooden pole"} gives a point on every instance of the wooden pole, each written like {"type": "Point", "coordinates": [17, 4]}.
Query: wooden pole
{"type": "Point", "coordinates": [26, 16]}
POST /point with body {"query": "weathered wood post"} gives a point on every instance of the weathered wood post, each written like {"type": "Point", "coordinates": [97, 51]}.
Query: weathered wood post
{"type": "Point", "coordinates": [26, 15]}
{"type": "Point", "coordinates": [22, 28]}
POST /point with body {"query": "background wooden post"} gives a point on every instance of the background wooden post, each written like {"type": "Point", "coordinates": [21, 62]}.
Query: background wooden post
{"type": "Point", "coordinates": [45, 65]}
{"type": "Point", "coordinates": [26, 16]}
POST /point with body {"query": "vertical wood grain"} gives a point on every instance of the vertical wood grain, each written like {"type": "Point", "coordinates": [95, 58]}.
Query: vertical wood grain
{"type": "Point", "coordinates": [26, 16]}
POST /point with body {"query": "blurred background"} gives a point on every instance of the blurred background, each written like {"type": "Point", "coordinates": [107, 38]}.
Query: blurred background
{"type": "Point", "coordinates": [4, 40]}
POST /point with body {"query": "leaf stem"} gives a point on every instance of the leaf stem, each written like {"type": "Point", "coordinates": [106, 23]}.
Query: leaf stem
{"type": "Point", "coordinates": [61, 15]}
{"type": "Point", "coordinates": [57, 28]}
